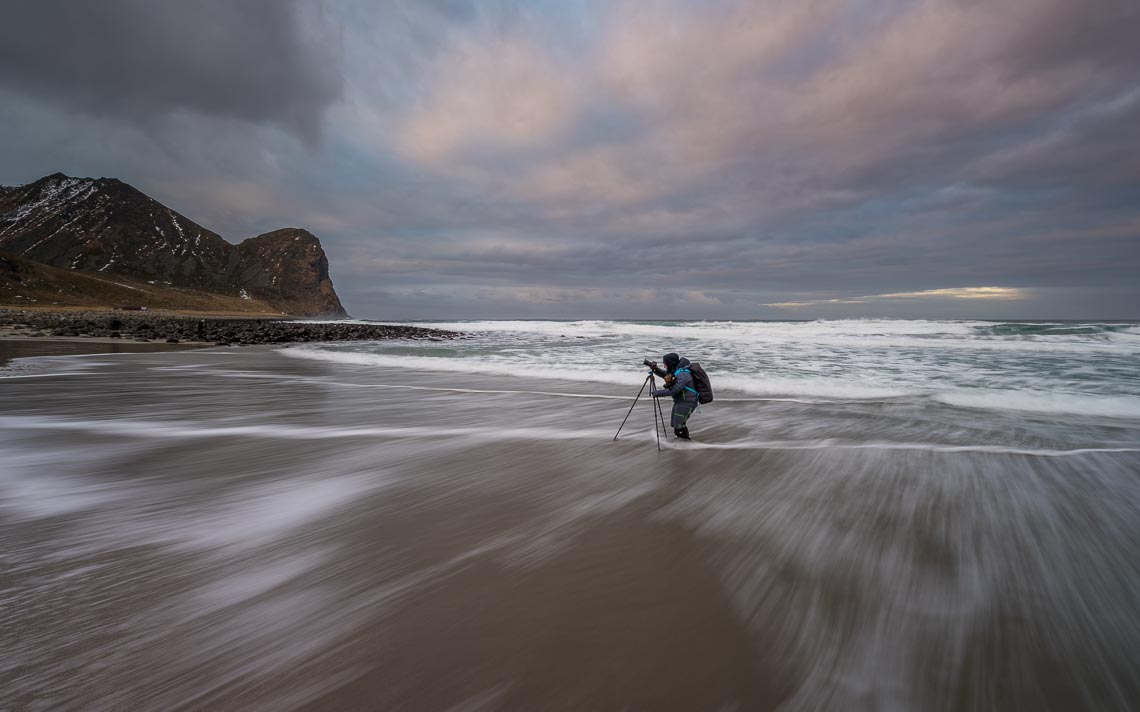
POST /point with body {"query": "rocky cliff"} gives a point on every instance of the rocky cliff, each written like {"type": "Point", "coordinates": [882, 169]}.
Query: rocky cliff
{"type": "Point", "coordinates": [288, 266]}
{"type": "Point", "coordinates": [104, 226]}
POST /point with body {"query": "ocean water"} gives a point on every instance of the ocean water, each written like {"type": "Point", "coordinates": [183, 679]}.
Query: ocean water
{"type": "Point", "coordinates": [1062, 367]}
{"type": "Point", "coordinates": [873, 515]}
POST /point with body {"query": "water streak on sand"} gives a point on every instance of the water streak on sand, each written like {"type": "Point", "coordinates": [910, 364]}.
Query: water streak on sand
{"type": "Point", "coordinates": [144, 429]}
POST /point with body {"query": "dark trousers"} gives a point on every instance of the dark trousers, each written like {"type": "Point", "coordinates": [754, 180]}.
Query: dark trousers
{"type": "Point", "coordinates": [680, 417]}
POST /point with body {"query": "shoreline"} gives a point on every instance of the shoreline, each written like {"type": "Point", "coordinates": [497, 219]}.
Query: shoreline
{"type": "Point", "coordinates": [15, 347]}
{"type": "Point", "coordinates": [102, 328]}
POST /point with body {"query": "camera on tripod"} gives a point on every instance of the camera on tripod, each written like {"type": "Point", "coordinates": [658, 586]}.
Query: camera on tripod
{"type": "Point", "coordinates": [658, 416]}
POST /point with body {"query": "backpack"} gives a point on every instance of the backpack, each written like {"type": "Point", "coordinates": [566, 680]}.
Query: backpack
{"type": "Point", "coordinates": [701, 383]}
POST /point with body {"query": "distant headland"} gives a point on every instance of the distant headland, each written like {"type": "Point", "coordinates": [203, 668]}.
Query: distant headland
{"type": "Point", "coordinates": [101, 243]}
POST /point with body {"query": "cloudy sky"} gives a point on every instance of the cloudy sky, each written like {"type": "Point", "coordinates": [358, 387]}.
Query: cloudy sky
{"type": "Point", "coordinates": [577, 158]}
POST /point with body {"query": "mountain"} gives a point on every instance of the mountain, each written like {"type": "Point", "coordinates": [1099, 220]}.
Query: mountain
{"type": "Point", "coordinates": [104, 226]}
{"type": "Point", "coordinates": [27, 283]}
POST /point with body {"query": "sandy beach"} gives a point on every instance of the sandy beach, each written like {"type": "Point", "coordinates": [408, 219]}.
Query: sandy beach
{"type": "Point", "coordinates": [235, 529]}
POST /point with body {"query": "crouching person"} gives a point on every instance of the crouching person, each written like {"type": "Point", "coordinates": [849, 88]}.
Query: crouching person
{"type": "Point", "coordinates": [679, 385]}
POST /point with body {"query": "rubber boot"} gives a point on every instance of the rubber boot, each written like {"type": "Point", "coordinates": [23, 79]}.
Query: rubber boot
{"type": "Point", "coordinates": [682, 433]}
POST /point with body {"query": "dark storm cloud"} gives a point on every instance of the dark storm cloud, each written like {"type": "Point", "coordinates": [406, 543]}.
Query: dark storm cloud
{"type": "Point", "coordinates": [251, 60]}
{"type": "Point", "coordinates": [1100, 32]}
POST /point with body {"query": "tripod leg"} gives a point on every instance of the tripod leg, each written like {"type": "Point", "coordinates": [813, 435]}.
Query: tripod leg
{"type": "Point", "coordinates": [660, 415]}
{"type": "Point", "coordinates": [631, 408]}
{"type": "Point", "coordinates": [656, 412]}
{"type": "Point", "coordinates": [657, 430]}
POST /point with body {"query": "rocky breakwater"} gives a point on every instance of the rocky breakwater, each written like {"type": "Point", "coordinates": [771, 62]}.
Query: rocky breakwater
{"type": "Point", "coordinates": [221, 331]}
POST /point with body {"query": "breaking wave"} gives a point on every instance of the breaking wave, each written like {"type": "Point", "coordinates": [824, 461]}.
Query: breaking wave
{"type": "Point", "coordinates": [1074, 368]}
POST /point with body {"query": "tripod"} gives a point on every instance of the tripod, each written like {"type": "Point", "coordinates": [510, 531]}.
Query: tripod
{"type": "Point", "coordinates": [658, 418]}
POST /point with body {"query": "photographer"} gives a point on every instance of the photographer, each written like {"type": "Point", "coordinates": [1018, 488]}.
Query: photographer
{"type": "Point", "coordinates": [679, 385]}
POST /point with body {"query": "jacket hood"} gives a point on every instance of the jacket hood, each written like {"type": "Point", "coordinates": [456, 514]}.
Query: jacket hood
{"type": "Point", "coordinates": [673, 362]}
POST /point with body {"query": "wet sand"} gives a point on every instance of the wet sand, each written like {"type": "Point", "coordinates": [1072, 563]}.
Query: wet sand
{"type": "Point", "coordinates": [14, 347]}
{"type": "Point", "coordinates": [627, 616]}
{"type": "Point", "coordinates": [233, 529]}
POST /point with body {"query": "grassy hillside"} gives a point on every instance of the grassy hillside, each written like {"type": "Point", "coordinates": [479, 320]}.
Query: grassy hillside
{"type": "Point", "coordinates": [24, 283]}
